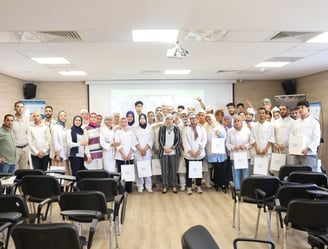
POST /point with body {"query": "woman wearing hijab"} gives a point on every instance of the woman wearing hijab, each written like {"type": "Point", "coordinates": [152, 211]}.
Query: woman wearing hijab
{"type": "Point", "coordinates": [194, 141]}
{"type": "Point", "coordinates": [126, 140]}
{"type": "Point", "coordinates": [107, 144]}
{"type": "Point", "coordinates": [144, 146]}
{"type": "Point", "coordinates": [130, 118]}
{"type": "Point", "coordinates": [76, 143]}
{"type": "Point", "coordinates": [215, 161]}
{"type": "Point", "coordinates": [169, 140]}
{"type": "Point", "coordinates": [93, 150]}
{"type": "Point", "coordinates": [238, 140]}
{"type": "Point", "coordinates": [59, 141]}
{"type": "Point", "coordinates": [227, 122]}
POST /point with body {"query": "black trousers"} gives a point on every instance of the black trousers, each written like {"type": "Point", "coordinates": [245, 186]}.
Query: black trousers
{"type": "Point", "coordinates": [40, 163]}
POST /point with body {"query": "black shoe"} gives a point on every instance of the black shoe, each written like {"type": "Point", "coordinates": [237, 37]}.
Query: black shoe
{"type": "Point", "coordinates": [224, 189]}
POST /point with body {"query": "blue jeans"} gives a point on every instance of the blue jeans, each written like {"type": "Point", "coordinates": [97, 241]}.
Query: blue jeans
{"type": "Point", "coordinates": [236, 174]}
{"type": "Point", "coordinates": [7, 168]}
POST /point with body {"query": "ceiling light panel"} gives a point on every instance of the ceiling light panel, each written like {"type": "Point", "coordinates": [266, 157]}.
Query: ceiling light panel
{"type": "Point", "coordinates": [185, 71]}
{"type": "Point", "coordinates": [322, 38]}
{"type": "Point", "coordinates": [165, 35]}
{"type": "Point", "coordinates": [272, 64]}
{"type": "Point", "coordinates": [50, 60]}
{"type": "Point", "coordinates": [72, 73]}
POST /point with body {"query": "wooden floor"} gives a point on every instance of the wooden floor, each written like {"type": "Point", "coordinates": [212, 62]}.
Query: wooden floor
{"type": "Point", "coordinates": [156, 220]}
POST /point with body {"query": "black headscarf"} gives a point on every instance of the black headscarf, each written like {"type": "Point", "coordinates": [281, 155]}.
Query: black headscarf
{"type": "Point", "coordinates": [143, 126]}
{"type": "Point", "coordinates": [75, 130]}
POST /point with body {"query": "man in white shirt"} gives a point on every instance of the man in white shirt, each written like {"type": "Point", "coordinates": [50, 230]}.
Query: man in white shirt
{"type": "Point", "coordinates": [19, 129]}
{"type": "Point", "coordinates": [282, 129]}
{"type": "Point", "coordinates": [39, 140]}
{"type": "Point", "coordinates": [309, 129]}
{"type": "Point", "coordinates": [50, 122]}
{"type": "Point", "coordinates": [262, 135]}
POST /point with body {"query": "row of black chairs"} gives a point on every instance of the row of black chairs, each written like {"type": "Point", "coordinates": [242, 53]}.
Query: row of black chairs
{"type": "Point", "coordinates": [95, 188]}
{"type": "Point", "coordinates": [276, 194]}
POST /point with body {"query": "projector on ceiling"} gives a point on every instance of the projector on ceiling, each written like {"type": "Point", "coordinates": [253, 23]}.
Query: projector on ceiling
{"type": "Point", "coordinates": [177, 52]}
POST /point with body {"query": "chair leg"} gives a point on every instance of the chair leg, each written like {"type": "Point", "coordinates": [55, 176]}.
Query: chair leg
{"type": "Point", "coordinates": [238, 214]}
{"type": "Point", "coordinates": [257, 222]}
{"type": "Point", "coordinates": [278, 225]}
{"type": "Point", "coordinates": [234, 215]}
{"type": "Point", "coordinates": [110, 233]}
{"type": "Point", "coordinates": [116, 228]}
{"type": "Point", "coordinates": [284, 241]}
{"type": "Point", "coordinates": [269, 224]}
{"type": "Point", "coordinates": [8, 236]}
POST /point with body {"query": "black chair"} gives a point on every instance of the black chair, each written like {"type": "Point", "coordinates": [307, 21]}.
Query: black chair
{"type": "Point", "coordinates": [13, 209]}
{"type": "Point", "coordinates": [41, 189]}
{"type": "Point", "coordinates": [108, 186]}
{"type": "Point", "coordinates": [258, 190]}
{"type": "Point", "coordinates": [253, 242]}
{"type": "Point", "coordinates": [287, 193]}
{"type": "Point", "coordinates": [285, 170]}
{"type": "Point", "coordinates": [119, 212]}
{"type": "Point", "coordinates": [50, 236]}
{"type": "Point", "coordinates": [87, 207]}
{"type": "Point", "coordinates": [306, 215]}
{"type": "Point", "coordinates": [20, 173]}
{"type": "Point", "coordinates": [319, 179]}
{"type": "Point", "coordinates": [3, 227]}
{"type": "Point", "coordinates": [198, 237]}
{"type": "Point", "coordinates": [95, 173]}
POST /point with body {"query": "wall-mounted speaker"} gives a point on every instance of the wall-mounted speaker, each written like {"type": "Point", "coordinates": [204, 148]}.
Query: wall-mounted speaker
{"type": "Point", "coordinates": [29, 90]}
{"type": "Point", "coordinates": [289, 86]}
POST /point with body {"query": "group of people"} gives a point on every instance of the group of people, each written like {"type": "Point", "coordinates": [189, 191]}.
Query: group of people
{"type": "Point", "coordinates": [179, 138]}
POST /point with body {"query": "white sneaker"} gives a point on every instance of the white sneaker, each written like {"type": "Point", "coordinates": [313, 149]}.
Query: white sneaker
{"type": "Point", "coordinates": [183, 188]}
{"type": "Point", "coordinates": [189, 192]}
{"type": "Point", "coordinates": [199, 190]}
{"type": "Point", "coordinates": [149, 190]}
{"type": "Point", "coordinates": [140, 190]}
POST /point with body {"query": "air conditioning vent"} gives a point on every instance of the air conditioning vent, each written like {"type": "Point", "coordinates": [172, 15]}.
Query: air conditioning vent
{"type": "Point", "coordinates": [293, 36]}
{"type": "Point", "coordinates": [59, 36]}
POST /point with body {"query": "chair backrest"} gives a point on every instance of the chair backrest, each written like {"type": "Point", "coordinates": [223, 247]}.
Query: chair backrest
{"type": "Point", "coordinates": [285, 170]}
{"type": "Point", "coordinates": [50, 236]}
{"type": "Point", "coordinates": [198, 237]}
{"type": "Point", "coordinates": [83, 200]}
{"type": "Point", "coordinates": [268, 184]}
{"type": "Point", "coordinates": [307, 214]}
{"type": "Point", "coordinates": [40, 186]}
{"type": "Point", "coordinates": [14, 203]}
{"type": "Point", "coordinates": [91, 173]}
{"type": "Point", "coordinates": [20, 173]}
{"type": "Point", "coordinates": [252, 242]}
{"type": "Point", "coordinates": [286, 193]}
{"type": "Point", "coordinates": [319, 179]}
{"type": "Point", "coordinates": [108, 186]}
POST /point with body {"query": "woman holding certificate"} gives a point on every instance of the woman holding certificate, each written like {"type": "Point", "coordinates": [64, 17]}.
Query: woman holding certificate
{"type": "Point", "coordinates": [194, 140]}
{"type": "Point", "coordinates": [216, 153]}
{"type": "Point", "coordinates": [238, 144]}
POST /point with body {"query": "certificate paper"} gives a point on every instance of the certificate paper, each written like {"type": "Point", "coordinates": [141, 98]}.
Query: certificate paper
{"type": "Point", "coordinates": [240, 160]}
{"type": "Point", "coordinates": [218, 145]}
{"type": "Point", "coordinates": [296, 145]}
